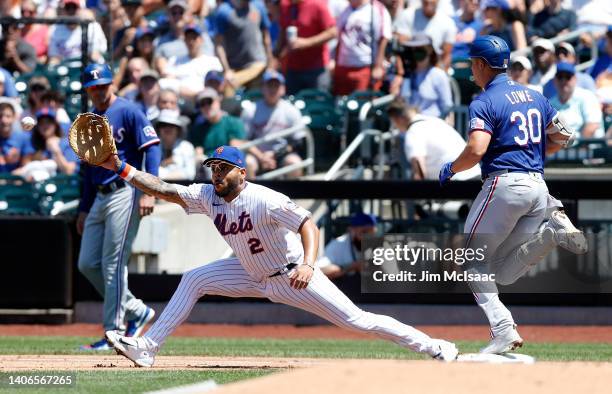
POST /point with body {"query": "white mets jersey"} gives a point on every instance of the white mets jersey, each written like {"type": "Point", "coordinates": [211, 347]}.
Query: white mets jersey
{"type": "Point", "coordinates": [260, 224]}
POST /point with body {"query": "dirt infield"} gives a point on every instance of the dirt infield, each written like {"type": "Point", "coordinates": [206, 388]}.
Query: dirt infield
{"type": "Point", "coordinates": [389, 376]}
{"type": "Point", "coordinates": [563, 334]}
{"type": "Point", "coordinates": [93, 362]}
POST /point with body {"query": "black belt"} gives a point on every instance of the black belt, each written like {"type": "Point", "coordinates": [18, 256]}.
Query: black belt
{"type": "Point", "coordinates": [111, 187]}
{"type": "Point", "coordinates": [288, 267]}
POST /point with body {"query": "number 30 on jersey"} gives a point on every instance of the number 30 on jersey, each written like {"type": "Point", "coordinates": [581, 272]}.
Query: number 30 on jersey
{"type": "Point", "coordinates": [529, 125]}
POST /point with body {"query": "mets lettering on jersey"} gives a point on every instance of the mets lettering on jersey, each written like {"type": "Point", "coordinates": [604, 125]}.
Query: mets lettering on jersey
{"type": "Point", "coordinates": [516, 123]}
{"type": "Point", "coordinates": [260, 225]}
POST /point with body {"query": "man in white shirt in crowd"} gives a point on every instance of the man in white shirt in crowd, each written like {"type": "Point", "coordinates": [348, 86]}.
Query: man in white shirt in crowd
{"type": "Point", "coordinates": [580, 107]}
{"type": "Point", "coordinates": [343, 255]}
{"type": "Point", "coordinates": [359, 60]}
{"type": "Point", "coordinates": [429, 142]}
{"type": "Point", "coordinates": [185, 74]}
{"type": "Point", "coordinates": [270, 114]}
{"type": "Point", "coordinates": [65, 39]}
{"type": "Point", "coordinates": [437, 25]}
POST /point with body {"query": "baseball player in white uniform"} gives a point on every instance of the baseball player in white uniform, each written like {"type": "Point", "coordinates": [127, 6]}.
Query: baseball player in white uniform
{"type": "Point", "coordinates": [275, 243]}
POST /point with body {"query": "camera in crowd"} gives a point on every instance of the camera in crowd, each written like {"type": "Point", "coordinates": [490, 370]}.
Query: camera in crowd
{"type": "Point", "coordinates": [413, 51]}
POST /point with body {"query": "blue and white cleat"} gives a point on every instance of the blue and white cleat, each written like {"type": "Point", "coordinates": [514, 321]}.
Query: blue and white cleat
{"type": "Point", "coordinates": [135, 327]}
{"type": "Point", "coordinates": [98, 346]}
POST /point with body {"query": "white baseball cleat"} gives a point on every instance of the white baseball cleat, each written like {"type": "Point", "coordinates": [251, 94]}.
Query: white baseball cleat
{"type": "Point", "coordinates": [504, 342]}
{"type": "Point", "coordinates": [140, 350]}
{"type": "Point", "coordinates": [566, 234]}
{"type": "Point", "coordinates": [444, 350]}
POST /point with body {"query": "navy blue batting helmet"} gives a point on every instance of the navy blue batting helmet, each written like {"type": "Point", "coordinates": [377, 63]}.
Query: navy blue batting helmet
{"type": "Point", "coordinates": [97, 74]}
{"type": "Point", "coordinates": [491, 49]}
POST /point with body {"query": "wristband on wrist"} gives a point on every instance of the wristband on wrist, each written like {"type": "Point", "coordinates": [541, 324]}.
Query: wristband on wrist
{"type": "Point", "coordinates": [126, 171]}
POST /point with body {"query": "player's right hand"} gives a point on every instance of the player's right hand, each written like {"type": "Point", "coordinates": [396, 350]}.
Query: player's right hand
{"type": "Point", "coordinates": [80, 223]}
{"type": "Point", "coordinates": [300, 276]}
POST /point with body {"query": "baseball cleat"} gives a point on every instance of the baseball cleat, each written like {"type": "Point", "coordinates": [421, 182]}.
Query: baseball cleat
{"type": "Point", "coordinates": [98, 346]}
{"type": "Point", "coordinates": [135, 327]}
{"type": "Point", "coordinates": [444, 350]}
{"type": "Point", "coordinates": [140, 350]}
{"type": "Point", "coordinates": [566, 234]}
{"type": "Point", "coordinates": [504, 342]}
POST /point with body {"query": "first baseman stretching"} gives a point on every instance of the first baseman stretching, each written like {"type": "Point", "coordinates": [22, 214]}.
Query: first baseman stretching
{"type": "Point", "coordinates": [275, 242]}
{"type": "Point", "coordinates": [512, 128]}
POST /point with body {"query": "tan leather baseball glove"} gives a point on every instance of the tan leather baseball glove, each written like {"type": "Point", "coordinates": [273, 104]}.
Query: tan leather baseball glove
{"type": "Point", "coordinates": [91, 138]}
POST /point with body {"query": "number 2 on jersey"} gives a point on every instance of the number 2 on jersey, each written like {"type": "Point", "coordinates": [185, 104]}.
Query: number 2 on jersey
{"type": "Point", "coordinates": [255, 245]}
{"type": "Point", "coordinates": [529, 127]}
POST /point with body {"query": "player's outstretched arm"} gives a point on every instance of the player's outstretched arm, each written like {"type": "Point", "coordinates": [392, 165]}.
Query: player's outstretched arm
{"type": "Point", "coordinates": [144, 181]}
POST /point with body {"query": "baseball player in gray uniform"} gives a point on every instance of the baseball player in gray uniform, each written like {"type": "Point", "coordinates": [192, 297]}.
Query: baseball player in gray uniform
{"type": "Point", "coordinates": [512, 128]}
{"type": "Point", "coordinates": [275, 242]}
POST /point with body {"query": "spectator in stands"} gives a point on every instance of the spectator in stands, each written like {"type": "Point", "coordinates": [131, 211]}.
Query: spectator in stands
{"type": "Point", "coordinates": [169, 100]}
{"type": "Point", "coordinates": [178, 155]}
{"type": "Point", "coordinates": [136, 66]}
{"type": "Point", "coordinates": [172, 46]}
{"type": "Point", "coordinates": [343, 255]}
{"type": "Point", "coordinates": [14, 144]}
{"type": "Point", "coordinates": [544, 59]}
{"type": "Point", "coordinates": [213, 127]}
{"type": "Point", "coordinates": [565, 53]}
{"type": "Point", "coordinates": [521, 70]}
{"type": "Point", "coordinates": [38, 85]}
{"type": "Point", "coordinates": [9, 84]}
{"type": "Point", "coordinates": [426, 86]}
{"type": "Point", "coordinates": [580, 107]}
{"type": "Point", "coordinates": [37, 35]}
{"type": "Point", "coordinates": [148, 93]}
{"type": "Point", "coordinates": [143, 45]}
{"type": "Point", "coordinates": [49, 149]}
{"type": "Point", "coordinates": [123, 18]}
{"type": "Point", "coordinates": [65, 40]}
{"type": "Point", "coordinates": [552, 21]}
{"type": "Point", "coordinates": [426, 19]}
{"type": "Point", "coordinates": [429, 142]}
{"type": "Point", "coordinates": [605, 98]}
{"type": "Point", "coordinates": [359, 61]}
{"type": "Point", "coordinates": [16, 55]}
{"type": "Point", "coordinates": [395, 8]}
{"type": "Point", "coordinates": [468, 26]}
{"type": "Point", "coordinates": [242, 42]}
{"type": "Point", "coordinates": [500, 21]}
{"type": "Point", "coordinates": [186, 73]}
{"type": "Point", "coordinates": [602, 69]}
{"type": "Point", "coordinates": [271, 114]}
{"type": "Point", "coordinates": [306, 55]}
{"type": "Point", "coordinates": [55, 101]}
{"type": "Point", "coordinates": [337, 7]}
{"type": "Point", "coordinates": [216, 80]}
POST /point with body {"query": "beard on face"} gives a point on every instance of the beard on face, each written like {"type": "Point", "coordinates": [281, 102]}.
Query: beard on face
{"type": "Point", "coordinates": [232, 185]}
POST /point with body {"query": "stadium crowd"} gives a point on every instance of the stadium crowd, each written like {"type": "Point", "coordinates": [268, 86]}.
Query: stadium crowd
{"type": "Point", "coordinates": [209, 73]}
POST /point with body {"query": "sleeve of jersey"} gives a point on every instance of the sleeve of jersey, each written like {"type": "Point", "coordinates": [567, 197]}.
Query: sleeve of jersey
{"type": "Point", "coordinates": [287, 213]}
{"type": "Point", "coordinates": [194, 197]}
{"type": "Point", "coordinates": [145, 133]}
{"type": "Point", "coordinates": [480, 117]}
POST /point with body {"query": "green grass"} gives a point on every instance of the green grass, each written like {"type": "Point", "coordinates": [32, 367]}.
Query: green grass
{"type": "Point", "coordinates": [318, 348]}
{"type": "Point", "coordinates": [136, 381]}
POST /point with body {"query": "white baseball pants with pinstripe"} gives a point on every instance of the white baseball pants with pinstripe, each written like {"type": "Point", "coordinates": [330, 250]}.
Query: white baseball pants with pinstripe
{"type": "Point", "coordinates": [228, 278]}
{"type": "Point", "coordinates": [507, 214]}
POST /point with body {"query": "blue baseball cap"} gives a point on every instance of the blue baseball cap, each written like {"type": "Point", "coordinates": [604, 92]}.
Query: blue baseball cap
{"type": "Point", "coordinates": [195, 28]}
{"type": "Point", "coordinates": [565, 67]}
{"type": "Point", "coordinates": [143, 31]}
{"type": "Point", "coordinates": [46, 111]}
{"type": "Point", "coordinates": [228, 154]}
{"type": "Point", "coordinates": [271, 75]}
{"type": "Point", "coordinates": [503, 4]}
{"type": "Point", "coordinates": [363, 219]}
{"type": "Point", "coordinates": [214, 76]}
{"type": "Point", "coordinates": [97, 74]}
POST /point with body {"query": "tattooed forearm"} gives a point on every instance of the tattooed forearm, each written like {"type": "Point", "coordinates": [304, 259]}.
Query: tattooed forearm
{"type": "Point", "coordinates": [154, 186]}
